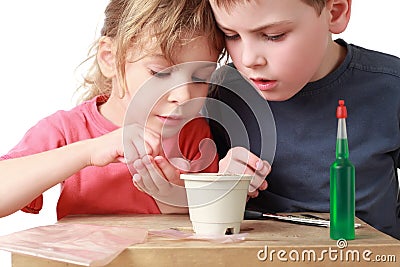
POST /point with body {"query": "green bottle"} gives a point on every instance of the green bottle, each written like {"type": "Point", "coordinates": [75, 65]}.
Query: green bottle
{"type": "Point", "coordinates": [342, 184]}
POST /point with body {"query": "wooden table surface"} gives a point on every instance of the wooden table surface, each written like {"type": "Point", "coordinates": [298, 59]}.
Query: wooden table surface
{"type": "Point", "coordinates": [268, 243]}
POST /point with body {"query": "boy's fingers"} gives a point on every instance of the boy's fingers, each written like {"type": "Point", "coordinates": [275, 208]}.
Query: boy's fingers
{"type": "Point", "coordinates": [263, 167]}
{"type": "Point", "coordinates": [236, 167]}
{"type": "Point", "coordinates": [258, 181]}
{"type": "Point", "coordinates": [252, 194]}
{"type": "Point", "coordinates": [257, 168]}
{"type": "Point", "coordinates": [244, 156]}
{"type": "Point", "coordinates": [263, 185]}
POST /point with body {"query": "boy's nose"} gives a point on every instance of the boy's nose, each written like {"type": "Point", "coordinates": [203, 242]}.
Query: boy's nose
{"type": "Point", "coordinates": [253, 55]}
{"type": "Point", "coordinates": [180, 94]}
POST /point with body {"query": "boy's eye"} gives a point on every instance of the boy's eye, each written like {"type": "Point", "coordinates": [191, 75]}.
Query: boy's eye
{"type": "Point", "coordinates": [268, 37]}
{"type": "Point", "coordinates": [276, 37]}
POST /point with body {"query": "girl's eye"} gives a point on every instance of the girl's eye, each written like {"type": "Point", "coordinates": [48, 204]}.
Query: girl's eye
{"type": "Point", "coordinates": [276, 37]}
{"type": "Point", "coordinates": [232, 37]}
{"type": "Point", "coordinates": [160, 74]}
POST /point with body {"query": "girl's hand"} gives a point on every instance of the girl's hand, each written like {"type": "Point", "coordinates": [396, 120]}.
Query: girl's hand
{"type": "Point", "coordinates": [160, 179]}
{"type": "Point", "coordinates": [241, 161]}
{"type": "Point", "coordinates": [140, 141]}
{"type": "Point", "coordinates": [126, 144]}
{"type": "Point", "coordinates": [157, 175]}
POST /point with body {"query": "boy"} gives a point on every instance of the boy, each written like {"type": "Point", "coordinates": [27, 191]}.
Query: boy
{"type": "Point", "coordinates": [285, 49]}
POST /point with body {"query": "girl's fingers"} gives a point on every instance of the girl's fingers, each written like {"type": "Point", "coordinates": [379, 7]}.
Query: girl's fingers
{"type": "Point", "coordinates": [142, 148]}
{"type": "Point", "coordinates": [152, 141]}
{"type": "Point", "coordinates": [166, 168]}
{"type": "Point", "coordinates": [130, 153]}
{"type": "Point", "coordinates": [139, 141]}
{"type": "Point", "coordinates": [149, 143]}
{"type": "Point", "coordinates": [137, 182]}
{"type": "Point", "coordinates": [147, 182]}
{"type": "Point", "coordinates": [155, 174]}
{"type": "Point", "coordinates": [170, 171]}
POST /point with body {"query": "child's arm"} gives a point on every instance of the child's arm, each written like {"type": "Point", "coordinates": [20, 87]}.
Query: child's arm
{"type": "Point", "coordinates": [240, 160]}
{"type": "Point", "coordinates": [160, 179]}
{"type": "Point", "coordinates": [23, 179]}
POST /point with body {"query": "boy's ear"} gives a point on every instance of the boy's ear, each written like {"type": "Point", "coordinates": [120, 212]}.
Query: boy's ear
{"type": "Point", "coordinates": [340, 15]}
{"type": "Point", "coordinates": [106, 57]}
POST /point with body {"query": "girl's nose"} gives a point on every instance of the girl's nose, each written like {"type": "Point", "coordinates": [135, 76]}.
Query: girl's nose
{"type": "Point", "coordinates": [180, 94]}
{"type": "Point", "coordinates": [253, 55]}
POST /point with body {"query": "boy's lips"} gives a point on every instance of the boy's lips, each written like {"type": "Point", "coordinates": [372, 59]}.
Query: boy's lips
{"type": "Point", "coordinates": [264, 84]}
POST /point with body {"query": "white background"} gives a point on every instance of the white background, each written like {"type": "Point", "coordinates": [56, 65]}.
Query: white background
{"type": "Point", "coordinates": [42, 42]}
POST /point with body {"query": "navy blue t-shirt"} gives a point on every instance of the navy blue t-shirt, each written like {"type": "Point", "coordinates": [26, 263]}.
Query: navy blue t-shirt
{"type": "Point", "coordinates": [306, 128]}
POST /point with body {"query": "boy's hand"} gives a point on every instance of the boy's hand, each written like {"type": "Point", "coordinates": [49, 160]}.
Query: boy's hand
{"type": "Point", "coordinates": [240, 160]}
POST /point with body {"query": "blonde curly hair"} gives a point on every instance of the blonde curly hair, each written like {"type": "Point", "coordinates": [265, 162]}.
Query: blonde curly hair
{"type": "Point", "coordinates": [137, 23]}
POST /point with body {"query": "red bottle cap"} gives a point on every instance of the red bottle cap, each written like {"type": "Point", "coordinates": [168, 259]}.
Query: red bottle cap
{"type": "Point", "coordinates": [341, 111]}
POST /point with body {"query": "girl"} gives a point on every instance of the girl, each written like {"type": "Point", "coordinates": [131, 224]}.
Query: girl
{"type": "Point", "coordinates": [85, 149]}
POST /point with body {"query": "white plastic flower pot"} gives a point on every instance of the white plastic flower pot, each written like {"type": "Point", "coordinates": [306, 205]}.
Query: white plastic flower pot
{"type": "Point", "coordinates": [216, 201]}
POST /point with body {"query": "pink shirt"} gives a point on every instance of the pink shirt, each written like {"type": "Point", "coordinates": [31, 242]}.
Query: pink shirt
{"type": "Point", "coordinates": [97, 190]}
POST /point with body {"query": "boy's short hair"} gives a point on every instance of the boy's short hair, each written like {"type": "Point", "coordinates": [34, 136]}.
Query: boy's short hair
{"type": "Point", "coordinates": [317, 4]}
